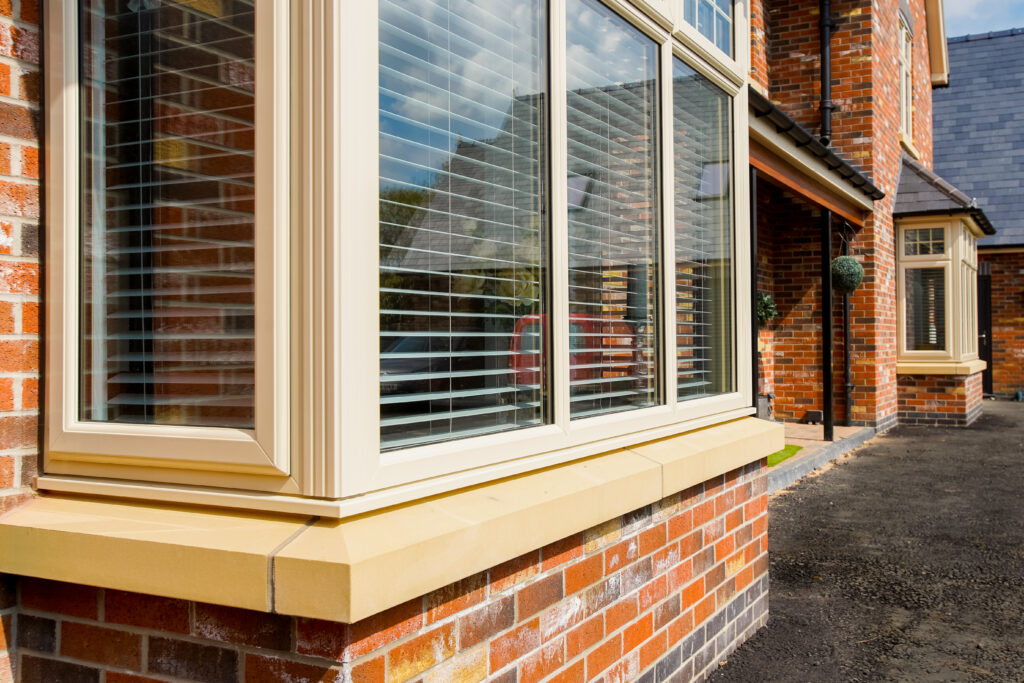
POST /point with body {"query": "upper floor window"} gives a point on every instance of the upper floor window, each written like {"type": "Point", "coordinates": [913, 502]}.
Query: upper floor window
{"type": "Point", "coordinates": [713, 19]}
{"type": "Point", "coordinates": [906, 76]}
{"type": "Point", "coordinates": [456, 246]}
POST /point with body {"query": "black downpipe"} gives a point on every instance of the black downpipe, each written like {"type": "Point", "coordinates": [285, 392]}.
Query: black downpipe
{"type": "Point", "coordinates": [847, 380]}
{"type": "Point", "coordinates": [826, 323]}
{"type": "Point", "coordinates": [827, 106]}
{"type": "Point", "coordinates": [753, 288]}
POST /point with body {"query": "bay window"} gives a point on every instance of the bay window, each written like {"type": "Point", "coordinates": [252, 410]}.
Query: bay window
{"type": "Point", "coordinates": [546, 197]}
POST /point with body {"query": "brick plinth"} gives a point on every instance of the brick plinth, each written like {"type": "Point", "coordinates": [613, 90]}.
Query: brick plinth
{"type": "Point", "coordinates": [667, 589]}
{"type": "Point", "coordinates": [939, 400]}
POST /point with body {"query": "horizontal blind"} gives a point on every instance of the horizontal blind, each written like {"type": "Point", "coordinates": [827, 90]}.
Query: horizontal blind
{"type": "Point", "coordinates": [703, 235]}
{"type": "Point", "coordinates": [925, 290]}
{"type": "Point", "coordinates": [462, 218]}
{"type": "Point", "coordinates": [167, 236]}
{"type": "Point", "coordinates": [611, 72]}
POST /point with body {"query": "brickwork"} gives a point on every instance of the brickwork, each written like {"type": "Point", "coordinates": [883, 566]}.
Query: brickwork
{"type": "Point", "coordinates": [759, 38]}
{"type": "Point", "coordinates": [19, 249]}
{"type": "Point", "coordinates": [672, 587]}
{"type": "Point", "coordinates": [940, 400]}
{"type": "Point", "coordinates": [1007, 321]}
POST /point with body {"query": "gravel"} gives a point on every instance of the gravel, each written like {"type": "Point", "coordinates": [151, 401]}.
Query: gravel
{"type": "Point", "coordinates": [902, 562]}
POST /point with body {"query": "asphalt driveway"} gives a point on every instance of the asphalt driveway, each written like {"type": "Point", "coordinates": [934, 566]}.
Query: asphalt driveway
{"type": "Point", "coordinates": [902, 562]}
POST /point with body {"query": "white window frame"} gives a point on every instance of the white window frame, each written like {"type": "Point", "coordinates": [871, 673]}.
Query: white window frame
{"type": "Point", "coordinates": [906, 76]}
{"type": "Point", "coordinates": [319, 366]}
{"type": "Point", "coordinates": [258, 458]}
{"type": "Point", "coordinates": [959, 262]}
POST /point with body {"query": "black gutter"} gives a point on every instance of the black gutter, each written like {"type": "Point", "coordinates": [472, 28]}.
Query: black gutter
{"type": "Point", "coordinates": [826, 325]}
{"type": "Point", "coordinates": [763, 108]}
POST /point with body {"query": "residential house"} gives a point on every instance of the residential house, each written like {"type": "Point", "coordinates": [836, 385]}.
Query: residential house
{"type": "Point", "coordinates": [979, 130]}
{"type": "Point", "coordinates": [415, 339]}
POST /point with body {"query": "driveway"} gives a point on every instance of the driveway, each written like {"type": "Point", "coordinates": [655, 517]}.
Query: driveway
{"type": "Point", "coordinates": [902, 562]}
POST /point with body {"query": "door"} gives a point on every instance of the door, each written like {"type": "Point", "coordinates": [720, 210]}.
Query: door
{"type": "Point", "coordinates": [985, 323]}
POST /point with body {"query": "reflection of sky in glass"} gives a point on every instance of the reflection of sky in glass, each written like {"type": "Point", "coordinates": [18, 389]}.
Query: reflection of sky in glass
{"type": "Point", "coordinates": [713, 18]}
{"type": "Point", "coordinates": [625, 55]}
{"type": "Point", "coordinates": [447, 75]}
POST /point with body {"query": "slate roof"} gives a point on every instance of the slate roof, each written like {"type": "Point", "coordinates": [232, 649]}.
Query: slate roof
{"type": "Point", "coordinates": [979, 128]}
{"type": "Point", "coordinates": [922, 192]}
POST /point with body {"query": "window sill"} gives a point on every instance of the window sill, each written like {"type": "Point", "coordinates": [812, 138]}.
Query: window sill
{"type": "Point", "coordinates": [968, 367]}
{"type": "Point", "coordinates": [345, 570]}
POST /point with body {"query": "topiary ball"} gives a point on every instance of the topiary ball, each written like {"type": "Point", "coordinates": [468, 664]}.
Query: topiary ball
{"type": "Point", "coordinates": [847, 274]}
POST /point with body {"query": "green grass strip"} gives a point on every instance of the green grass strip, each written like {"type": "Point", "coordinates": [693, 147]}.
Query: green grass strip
{"type": "Point", "coordinates": [788, 452]}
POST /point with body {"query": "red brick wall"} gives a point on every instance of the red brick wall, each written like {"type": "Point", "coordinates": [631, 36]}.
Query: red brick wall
{"type": "Point", "coordinates": [19, 249]}
{"type": "Point", "coordinates": [940, 400]}
{"type": "Point", "coordinates": [1007, 321]}
{"type": "Point", "coordinates": [674, 586]}
{"type": "Point", "coordinates": [759, 44]}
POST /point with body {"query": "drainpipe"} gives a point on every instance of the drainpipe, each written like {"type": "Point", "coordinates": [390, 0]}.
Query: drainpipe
{"type": "Point", "coordinates": [753, 288]}
{"type": "Point", "coordinates": [847, 380]}
{"type": "Point", "coordinates": [826, 323]}
{"type": "Point", "coordinates": [827, 106]}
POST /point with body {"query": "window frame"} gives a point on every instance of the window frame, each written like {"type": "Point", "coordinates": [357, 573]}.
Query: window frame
{"type": "Point", "coordinates": [322, 423]}
{"type": "Point", "coordinates": [906, 76]}
{"type": "Point", "coordinates": [257, 459]}
{"type": "Point", "coordinates": [960, 269]}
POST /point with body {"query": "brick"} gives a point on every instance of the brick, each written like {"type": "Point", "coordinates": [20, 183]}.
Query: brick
{"type": "Point", "coordinates": [510, 646]}
{"type": "Point", "coordinates": [456, 597]}
{"type": "Point", "coordinates": [652, 650]}
{"type": "Point", "coordinates": [262, 669]}
{"type": "Point", "coordinates": [680, 628]}
{"type": "Point", "coordinates": [371, 671]}
{"type": "Point", "coordinates": [29, 317]}
{"type": "Point", "coordinates": [6, 308]}
{"type": "Point", "coordinates": [666, 612]}
{"type": "Point", "coordinates": [18, 278]}
{"type": "Point", "coordinates": [620, 555]}
{"type": "Point", "coordinates": [604, 656]}
{"type": "Point", "coordinates": [597, 597]}
{"type": "Point", "coordinates": [575, 673]}
{"type": "Point", "coordinates": [71, 599]}
{"type": "Point", "coordinates": [652, 592]}
{"type": "Point", "coordinates": [6, 472]}
{"type": "Point", "coordinates": [486, 622]}
{"type": "Point", "coordinates": [145, 611]}
{"type": "Point", "coordinates": [692, 594]}
{"type": "Point", "coordinates": [514, 572]}
{"type": "Point", "coordinates": [242, 627]}
{"type": "Point", "coordinates": [21, 122]}
{"type": "Point", "coordinates": [584, 573]}
{"type": "Point", "coordinates": [117, 677]}
{"type": "Point", "coordinates": [351, 641]}
{"type": "Point", "coordinates": [420, 653]}
{"type": "Point", "coordinates": [30, 394]}
{"type": "Point", "coordinates": [680, 524]}
{"type": "Point", "coordinates": [704, 609]}
{"type": "Point", "coordinates": [467, 667]}
{"type": "Point", "coordinates": [37, 633]}
{"type": "Point", "coordinates": [585, 636]}
{"type": "Point", "coordinates": [39, 669]}
{"type": "Point", "coordinates": [30, 162]}
{"type": "Point", "coordinates": [18, 355]}
{"type": "Point", "coordinates": [542, 663]}
{"type": "Point", "coordinates": [652, 539]}
{"type": "Point", "coordinates": [636, 575]}
{"type": "Point", "coordinates": [194, 661]}
{"type": "Point", "coordinates": [602, 535]}
{"type": "Point", "coordinates": [560, 552]}
{"type": "Point", "coordinates": [101, 645]}
{"type": "Point", "coordinates": [538, 595]}
{"type": "Point", "coordinates": [562, 616]}
{"type": "Point", "coordinates": [637, 632]}
{"type": "Point", "coordinates": [621, 613]}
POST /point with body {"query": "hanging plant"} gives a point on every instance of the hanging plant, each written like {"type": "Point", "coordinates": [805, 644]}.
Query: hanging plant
{"type": "Point", "coordinates": [766, 310]}
{"type": "Point", "coordinates": [847, 274]}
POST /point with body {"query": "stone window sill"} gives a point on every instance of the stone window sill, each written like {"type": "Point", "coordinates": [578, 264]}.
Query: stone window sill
{"type": "Point", "coordinates": [348, 569]}
{"type": "Point", "coordinates": [969, 367]}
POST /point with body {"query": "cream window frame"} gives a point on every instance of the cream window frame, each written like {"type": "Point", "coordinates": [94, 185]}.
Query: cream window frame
{"type": "Point", "coordinates": [959, 262]}
{"type": "Point", "coordinates": [906, 76]}
{"type": "Point", "coordinates": [258, 458]}
{"type": "Point", "coordinates": [330, 425]}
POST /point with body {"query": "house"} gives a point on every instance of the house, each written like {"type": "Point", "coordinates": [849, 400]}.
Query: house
{"type": "Point", "coordinates": [416, 340]}
{"type": "Point", "coordinates": [978, 132]}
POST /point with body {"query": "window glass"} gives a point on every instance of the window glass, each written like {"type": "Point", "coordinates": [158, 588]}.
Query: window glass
{"type": "Point", "coordinates": [713, 19]}
{"type": "Point", "coordinates": [462, 217]}
{"type": "Point", "coordinates": [926, 309]}
{"type": "Point", "coordinates": [167, 300]}
{"type": "Point", "coordinates": [924, 242]}
{"type": "Point", "coordinates": [611, 73]}
{"type": "Point", "coordinates": [703, 235]}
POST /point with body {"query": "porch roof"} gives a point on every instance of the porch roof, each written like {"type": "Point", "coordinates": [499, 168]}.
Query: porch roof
{"type": "Point", "coordinates": [923, 192]}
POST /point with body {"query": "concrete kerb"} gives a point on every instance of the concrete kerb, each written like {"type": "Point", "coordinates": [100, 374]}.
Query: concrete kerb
{"type": "Point", "coordinates": [800, 465]}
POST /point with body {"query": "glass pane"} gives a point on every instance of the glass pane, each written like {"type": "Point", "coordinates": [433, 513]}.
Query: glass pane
{"type": "Point", "coordinates": [462, 218]}
{"type": "Point", "coordinates": [926, 309]}
{"type": "Point", "coordinates": [924, 242]}
{"type": "Point", "coordinates": [167, 133]}
{"type": "Point", "coordinates": [613, 231]}
{"type": "Point", "coordinates": [704, 253]}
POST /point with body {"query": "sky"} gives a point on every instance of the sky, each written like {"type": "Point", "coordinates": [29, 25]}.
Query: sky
{"type": "Point", "coordinates": [981, 16]}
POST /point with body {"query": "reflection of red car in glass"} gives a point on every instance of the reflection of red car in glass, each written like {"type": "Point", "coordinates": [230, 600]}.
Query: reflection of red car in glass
{"type": "Point", "coordinates": [601, 351]}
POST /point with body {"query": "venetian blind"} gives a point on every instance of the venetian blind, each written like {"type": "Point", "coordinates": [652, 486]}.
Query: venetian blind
{"type": "Point", "coordinates": [611, 73]}
{"type": "Point", "coordinates": [925, 290]}
{"type": "Point", "coordinates": [703, 235]}
{"type": "Point", "coordinates": [167, 130]}
{"type": "Point", "coordinates": [462, 218]}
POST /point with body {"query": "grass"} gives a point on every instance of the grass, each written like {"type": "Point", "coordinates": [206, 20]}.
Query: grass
{"type": "Point", "coordinates": [788, 452]}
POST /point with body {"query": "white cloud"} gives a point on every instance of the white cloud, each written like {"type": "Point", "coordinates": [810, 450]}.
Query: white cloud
{"type": "Point", "coordinates": [981, 16]}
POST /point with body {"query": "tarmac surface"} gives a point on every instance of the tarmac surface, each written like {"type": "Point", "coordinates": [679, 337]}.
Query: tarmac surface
{"type": "Point", "coordinates": [903, 561]}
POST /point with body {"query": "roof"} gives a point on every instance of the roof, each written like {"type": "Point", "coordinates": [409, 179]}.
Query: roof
{"type": "Point", "coordinates": [922, 192]}
{"type": "Point", "coordinates": [979, 128]}
{"type": "Point", "coordinates": [763, 107]}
